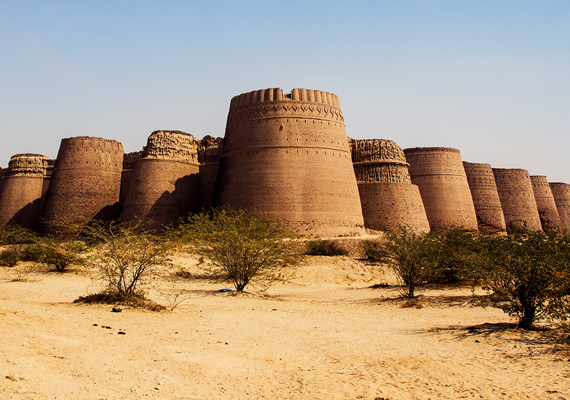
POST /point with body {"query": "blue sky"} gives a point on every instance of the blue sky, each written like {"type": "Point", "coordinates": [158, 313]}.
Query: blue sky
{"type": "Point", "coordinates": [491, 78]}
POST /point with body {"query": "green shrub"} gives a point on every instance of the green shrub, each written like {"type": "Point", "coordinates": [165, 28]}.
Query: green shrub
{"type": "Point", "coordinates": [10, 257]}
{"type": "Point", "coordinates": [324, 247]}
{"type": "Point", "coordinates": [240, 246]}
{"type": "Point", "coordinates": [530, 273]}
{"type": "Point", "coordinates": [409, 254]}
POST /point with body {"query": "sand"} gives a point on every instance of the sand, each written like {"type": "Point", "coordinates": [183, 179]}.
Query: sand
{"type": "Point", "coordinates": [325, 334]}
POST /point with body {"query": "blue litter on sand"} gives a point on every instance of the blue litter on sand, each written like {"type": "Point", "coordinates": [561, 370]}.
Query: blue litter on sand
{"type": "Point", "coordinates": [224, 290]}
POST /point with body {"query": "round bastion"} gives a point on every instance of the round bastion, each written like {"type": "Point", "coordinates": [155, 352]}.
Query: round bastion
{"type": "Point", "coordinates": [85, 183]}
{"type": "Point", "coordinates": [549, 218]}
{"type": "Point", "coordinates": [21, 191]}
{"type": "Point", "coordinates": [440, 176]}
{"type": "Point", "coordinates": [517, 198]}
{"type": "Point", "coordinates": [485, 197]}
{"type": "Point", "coordinates": [163, 184]}
{"type": "Point", "coordinates": [287, 156]}
{"type": "Point", "coordinates": [388, 197]}
{"type": "Point", "coordinates": [561, 194]}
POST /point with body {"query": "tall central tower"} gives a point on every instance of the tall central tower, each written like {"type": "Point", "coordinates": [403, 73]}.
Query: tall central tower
{"type": "Point", "coordinates": [288, 156]}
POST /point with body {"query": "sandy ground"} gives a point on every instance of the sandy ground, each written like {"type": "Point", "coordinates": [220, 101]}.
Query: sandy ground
{"type": "Point", "coordinates": [323, 335]}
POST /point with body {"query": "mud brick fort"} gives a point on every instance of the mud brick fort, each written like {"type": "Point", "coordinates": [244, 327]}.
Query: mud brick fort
{"type": "Point", "coordinates": [288, 156]}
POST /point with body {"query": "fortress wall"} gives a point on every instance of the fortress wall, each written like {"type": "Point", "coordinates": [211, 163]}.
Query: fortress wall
{"type": "Point", "coordinates": [440, 176]}
{"type": "Point", "coordinates": [388, 197]}
{"type": "Point", "coordinates": [546, 205]}
{"type": "Point", "coordinates": [561, 194]}
{"type": "Point", "coordinates": [164, 181]}
{"type": "Point", "coordinates": [485, 197]}
{"type": "Point", "coordinates": [21, 192]}
{"type": "Point", "coordinates": [129, 160]}
{"type": "Point", "coordinates": [85, 183]}
{"type": "Point", "coordinates": [209, 154]}
{"type": "Point", "coordinates": [517, 198]}
{"type": "Point", "coordinates": [289, 158]}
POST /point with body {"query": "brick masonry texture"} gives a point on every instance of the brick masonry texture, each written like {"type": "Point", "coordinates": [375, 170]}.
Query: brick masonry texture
{"type": "Point", "coordinates": [85, 182]}
{"type": "Point", "coordinates": [287, 156]}
{"type": "Point", "coordinates": [440, 176]}
{"type": "Point", "coordinates": [549, 218]}
{"type": "Point", "coordinates": [561, 194]}
{"type": "Point", "coordinates": [485, 197]}
{"type": "Point", "coordinates": [517, 198]}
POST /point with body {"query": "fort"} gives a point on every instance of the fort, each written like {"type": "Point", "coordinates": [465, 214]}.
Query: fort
{"type": "Point", "coordinates": [286, 156]}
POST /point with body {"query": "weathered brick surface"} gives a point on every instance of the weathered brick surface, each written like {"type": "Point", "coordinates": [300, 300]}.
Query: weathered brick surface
{"type": "Point", "coordinates": [287, 156]}
{"type": "Point", "coordinates": [485, 197]}
{"type": "Point", "coordinates": [561, 194]}
{"type": "Point", "coordinates": [517, 198]}
{"type": "Point", "coordinates": [439, 174]}
{"type": "Point", "coordinates": [85, 182]}
{"type": "Point", "coordinates": [21, 191]}
{"type": "Point", "coordinates": [388, 197]}
{"type": "Point", "coordinates": [546, 205]}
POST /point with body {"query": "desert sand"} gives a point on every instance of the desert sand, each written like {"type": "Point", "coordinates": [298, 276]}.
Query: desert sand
{"type": "Point", "coordinates": [324, 334]}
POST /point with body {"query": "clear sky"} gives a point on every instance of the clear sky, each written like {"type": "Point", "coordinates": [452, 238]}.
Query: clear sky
{"type": "Point", "coordinates": [491, 78]}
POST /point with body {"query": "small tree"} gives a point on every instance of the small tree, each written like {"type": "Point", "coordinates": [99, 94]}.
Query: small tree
{"type": "Point", "coordinates": [241, 246]}
{"type": "Point", "coordinates": [128, 257]}
{"type": "Point", "coordinates": [530, 273]}
{"type": "Point", "coordinates": [410, 255]}
{"type": "Point", "coordinates": [458, 253]}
